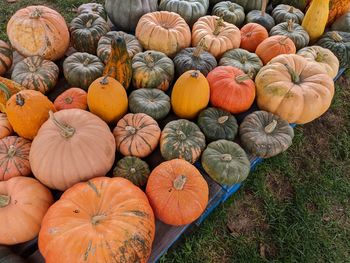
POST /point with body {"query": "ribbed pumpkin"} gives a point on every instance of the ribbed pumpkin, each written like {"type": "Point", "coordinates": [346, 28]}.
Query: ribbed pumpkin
{"type": "Point", "coordinates": [23, 203]}
{"type": "Point", "coordinates": [341, 24]}
{"type": "Point", "coordinates": [300, 4]}
{"type": "Point", "coordinates": [252, 34]}
{"type": "Point", "coordinates": [190, 94]}
{"type": "Point", "coordinates": [6, 57]}
{"type": "Point", "coordinates": [177, 192]}
{"type": "Point", "coordinates": [73, 98]}
{"type": "Point", "coordinates": [107, 99]}
{"type": "Point", "coordinates": [152, 70]}
{"type": "Point", "coordinates": [5, 126]}
{"type": "Point", "coordinates": [38, 31]}
{"type": "Point", "coordinates": [7, 89]}
{"type": "Point", "coordinates": [182, 139]}
{"type": "Point", "coordinates": [79, 140]}
{"type": "Point", "coordinates": [152, 102]}
{"type": "Point", "coordinates": [284, 13]}
{"type": "Point", "coordinates": [231, 89]}
{"type": "Point", "coordinates": [27, 110]}
{"type": "Point", "coordinates": [93, 8]}
{"type": "Point", "coordinates": [102, 220]}
{"type": "Point", "coordinates": [136, 135]}
{"type": "Point", "coordinates": [8, 256]}
{"type": "Point", "coordinates": [261, 17]}
{"type": "Point", "coordinates": [36, 73]}
{"type": "Point", "coordinates": [248, 5]}
{"type": "Point", "coordinates": [133, 169]}
{"type": "Point", "coordinates": [230, 12]}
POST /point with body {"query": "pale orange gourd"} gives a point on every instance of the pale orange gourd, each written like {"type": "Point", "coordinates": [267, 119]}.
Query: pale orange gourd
{"type": "Point", "coordinates": [73, 98]}
{"type": "Point", "coordinates": [5, 126]}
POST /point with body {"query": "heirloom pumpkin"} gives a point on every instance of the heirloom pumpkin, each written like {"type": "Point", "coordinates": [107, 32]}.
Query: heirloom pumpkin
{"type": "Point", "coordinates": [284, 13]}
{"type": "Point", "coordinates": [300, 4]}
{"type": "Point", "coordinates": [77, 227]}
{"type": "Point", "coordinates": [93, 8]}
{"type": "Point", "coordinates": [230, 12]}
{"type": "Point", "coordinates": [7, 89]}
{"type": "Point", "coordinates": [27, 201]}
{"type": "Point", "coordinates": [249, 5]}
{"type": "Point", "coordinates": [5, 126]}
{"type": "Point", "coordinates": [8, 256]}
{"type": "Point", "coordinates": [261, 17]}
{"type": "Point", "coordinates": [6, 57]}
{"type": "Point", "coordinates": [73, 98]}
{"type": "Point", "coordinates": [341, 24]}
{"type": "Point", "coordinates": [252, 34]}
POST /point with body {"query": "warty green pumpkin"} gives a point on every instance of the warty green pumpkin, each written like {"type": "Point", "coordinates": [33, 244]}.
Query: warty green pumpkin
{"type": "Point", "coordinates": [283, 13]}
{"type": "Point", "coordinates": [230, 12]}
{"type": "Point", "coordinates": [93, 8]}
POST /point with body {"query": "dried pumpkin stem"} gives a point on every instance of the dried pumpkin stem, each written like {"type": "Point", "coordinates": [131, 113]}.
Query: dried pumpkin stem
{"type": "Point", "coordinates": [222, 119]}
{"type": "Point", "coordinates": [291, 10]}
{"type": "Point", "coordinates": [242, 78]}
{"type": "Point", "coordinates": [320, 57]}
{"type": "Point", "coordinates": [97, 219]}
{"type": "Point", "coordinates": [290, 27]}
{"type": "Point", "coordinates": [244, 59]}
{"type": "Point", "coordinates": [4, 200]}
{"type": "Point", "coordinates": [130, 129]}
{"type": "Point", "coordinates": [104, 81]}
{"type": "Point", "coordinates": [19, 99]}
{"type": "Point", "coordinates": [36, 13]}
{"type": "Point", "coordinates": [86, 62]}
{"type": "Point", "coordinates": [294, 76]}
{"type": "Point", "coordinates": [149, 60]}
{"type": "Point", "coordinates": [200, 48]}
{"type": "Point", "coordinates": [89, 23]}
{"type": "Point", "coordinates": [181, 135]}
{"type": "Point", "coordinates": [195, 74]}
{"type": "Point", "coordinates": [132, 170]}
{"type": "Point", "coordinates": [180, 182]}
{"type": "Point", "coordinates": [219, 24]}
{"type": "Point", "coordinates": [66, 130]}
{"type": "Point", "coordinates": [226, 157]}
{"type": "Point", "coordinates": [68, 100]}
{"type": "Point", "coordinates": [336, 36]}
{"type": "Point", "coordinates": [11, 151]}
{"type": "Point", "coordinates": [232, 7]}
{"type": "Point", "coordinates": [271, 127]}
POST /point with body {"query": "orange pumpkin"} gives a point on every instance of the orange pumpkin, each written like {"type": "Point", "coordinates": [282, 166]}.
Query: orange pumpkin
{"type": "Point", "coordinates": [5, 126]}
{"type": "Point", "coordinates": [73, 98]}
{"type": "Point", "coordinates": [6, 57]}
{"type": "Point", "coordinates": [252, 34]}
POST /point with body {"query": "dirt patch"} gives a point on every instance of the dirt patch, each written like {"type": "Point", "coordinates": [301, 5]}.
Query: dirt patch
{"type": "Point", "coordinates": [338, 213]}
{"type": "Point", "coordinates": [311, 207]}
{"type": "Point", "coordinates": [280, 186]}
{"type": "Point", "coordinates": [268, 251]}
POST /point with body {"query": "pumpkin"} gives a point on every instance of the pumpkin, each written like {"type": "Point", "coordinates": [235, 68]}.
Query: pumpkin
{"type": "Point", "coordinates": [152, 70]}
{"type": "Point", "coordinates": [107, 99]}
{"type": "Point", "coordinates": [341, 24]}
{"type": "Point", "coordinates": [294, 88]}
{"type": "Point", "coordinates": [104, 47]}
{"type": "Point", "coordinates": [177, 192]}
{"type": "Point", "coordinates": [248, 62]}
{"type": "Point", "coordinates": [7, 256]}
{"type": "Point", "coordinates": [163, 31]}
{"type": "Point", "coordinates": [300, 4]}
{"type": "Point", "coordinates": [260, 17]}
{"type": "Point", "coordinates": [284, 13]}
{"type": "Point", "coordinates": [152, 102]}
{"type": "Point", "coordinates": [274, 46]}
{"type": "Point", "coordinates": [7, 89]}
{"type": "Point", "coordinates": [136, 135]}
{"type": "Point", "coordinates": [249, 5]}
{"type": "Point", "coordinates": [339, 44]}
{"type": "Point", "coordinates": [220, 36]}
{"type": "Point", "coordinates": [84, 216]}
{"type": "Point", "coordinates": [226, 162]}
{"type": "Point", "coordinates": [73, 98]}
{"type": "Point", "coordinates": [81, 69]}
{"type": "Point", "coordinates": [93, 8]}
{"type": "Point", "coordinates": [231, 89]}
{"type": "Point", "coordinates": [337, 8]}
{"type": "Point", "coordinates": [38, 31]}
{"type": "Point", "coordinates": [190, 10]}
{"type": "Point", "coordinates": [86, 30]}
{"type": "Point", "coordinates": [324, 57]}
{"type": "Point", "coordinates": [217, 124]}
{"type": "Point", "coordinates": [36, 73]}
{"type": "Point", "coordinates": [190, 94]}
{"type": "Point", "coordinates": [6, 57]}
{"type": "Point", "coordinates": [119, 63]}
{"type": "Point", "coordinates": [182, 139]}
{"type": "Point", "coordinates": [133, 169]}
{"type": "Point", "coordinates": [5, 126]}
{"type": "Point", "coordinates": [252, 34]}
{"type": "Point", "coordinates": [79, 140]}
{"type": "Point", "coordinates": [23, 204]}
{"type": "Point", "coordinates": [230, 12]}
{"type": "Point", "coordinates": [125, 14]}
{"type": "Point", "coordinates": [294, 31]}
{"type": "Point", "coordinates": [27, 110]}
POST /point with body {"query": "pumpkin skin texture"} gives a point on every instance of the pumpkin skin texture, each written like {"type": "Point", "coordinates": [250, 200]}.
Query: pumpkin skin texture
{"type": "Point", "coordinates": [36, 73]}
{"type": "Point", "coordinates": [182, 139]}
{"type": "Point", "coordinates": [93, 8]}
{"type": "Point", "coordinates": [152, 70]}
{"type": "Point", "coordinates": [73, 98]}
{"type": "Point", "coordinates": [5, 126]}
{"type": "Point", "coordinates": [252, 34]}
{"type": "Point", "coordinates": [231, 89]}
{"type": "Point", "coordinates": [26, 199]}
{"type": "Point", "coordinates": [83, 219]}
{"type": "Point", "coordinates": [133, 169]}
{"type": "Point", "coordinates": [38, 31]}
{"type": "Point", "coordinates": [265, 135]}
{"type": "Point", "coordinates": [7, 256]}
{"type": "Point", "coordinates": [6, 57]}
{"type": "Point", "coordinates": [260, 17]}
{"type": "Point", "coordinates": [294, 88]}
{"type": "Point", "coordinates": [300, 4]}
{"type": "Point", "coordinates": [190, 94]}
{"type": "Point", "coordinates": [81, 69]}
{"type": "Point", "coordinates": [163, 31]}
{"type": "Point", "coordinates": [230, 12]}
{"type": "Point", "coordinates": [284, 13]}
{"type": "Point", "coordinates": [152, 102]}
{"type": "Point", "coordinates": [77, 138]}
{"type": "Point", "coordinates": [136, 135]}
{"type": "Point", "coordinates": [341, 24]}
{"type": "Point", "coordinates": [249, 5]}
{"type": "Point", "coordinates": [177, 192]}
{"type": "Point", "coordinates": [7, 89]}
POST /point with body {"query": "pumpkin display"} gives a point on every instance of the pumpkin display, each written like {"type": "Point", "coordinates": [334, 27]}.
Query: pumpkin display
{"type": "Point", "coordinates": [77, 227]}
{"type": "Point", "coordinates": [81, 69]}
{"type": "Point", "coordinates": [230, 12]}
{"type": "Point", "coordinates": [6, 57]}
{"type": "Point", "coordinates": [93, 8]}
{"type": "Point", "coordinates": [341, 24]}
{"type": "Point", "coordinates": [107, 99]}
{"type": "Point", "coordinates": [190, 94]}
{"type": "Point", "coordinates": [261, 17]}
{"type": "Point", "coordinates": [284, 13]}
{"type": "Point", "coordinates": [86, 30]}
{"type": "Point", "coordinates": [152, 102]}
{"type": "Point", "coordinates": [136, 135]}
{"type": "Point", "coordinates": [226, 162]}
{"type": "Point", "coordinates": [294, 88]}
{"type": "Point", "coordinates": [300, 4]}
{"type": "Point", "coordinates": [249, 5]}
{"type": "Point", "coordinates": [133, 169]}
{"type": "Point", "coordinates": [73, 98]}
{"type": "Point", "coordinates": [163, 31]}
{"type": "Point", "coordinates": [5, 126]}
{"type": "Point", "coordinates": [27, 110]}
{"type": "Point", "coordinates": [26, 200]}
{"type": "Point", "coordinates": [274, 46]}
{"type": "Point", "coordinates": [38, 31]}
{"type": "Point", "coordinates": [7, 89]}
{"type": "Point", "coordinates": [7, 256]}
{"type": "Point", "coordinates": [252, 34]}
{"type": "Point", "coordinates": [152, 70]}
{"type": "Point", "coordinates": [36, 73]}
{"type": "Point", "coordinates": [217, 124]}
{"type": "Point", "coordinates": [77, 138]}
{"type": "Point", "coordinates": [220, 36]}
{"type": "Point", "coordinates": [231, 89]}
{"type": "Point", "coordinates": [182, 139]}
{"type": "Point", "coordinates": [177, 192]}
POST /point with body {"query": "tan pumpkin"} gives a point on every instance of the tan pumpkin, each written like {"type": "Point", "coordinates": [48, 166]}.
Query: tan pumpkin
{"type": "Point", "coordinates": [5, 126]}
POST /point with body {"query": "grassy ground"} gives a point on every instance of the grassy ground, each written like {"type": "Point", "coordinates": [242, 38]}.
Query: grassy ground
{"type": "Point", "coordinates": [294, 208]}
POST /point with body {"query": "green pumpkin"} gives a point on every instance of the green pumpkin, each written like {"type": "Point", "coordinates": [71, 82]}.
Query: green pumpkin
{"type": "Point", "coordinates": [7, 256]}
{"type": "Point", "coordinates": [261, 18]}
{"type": "Point", "coordinates": [94, 8]}
{"type": "Point", "coordinates": [342, 23]}
{"type": "Point", "coordinates": [284, 13]}
{"type": "Point", "coordinates": [86, 30]}
{"type": "Point", "coordinates": [230, 12]}
{"type": "Point", "coordinates": [152, 102]}
{"type": "Point", "coordinates": [249, 5]}
{"type": "Point", "coordinates": [182, 139]}
{"type": "Point", "coordinates": [300, 4]}
{"type": "Point", "coordinates": [226, 162]}
{"type": "Point", "coordinates": [249, 62]}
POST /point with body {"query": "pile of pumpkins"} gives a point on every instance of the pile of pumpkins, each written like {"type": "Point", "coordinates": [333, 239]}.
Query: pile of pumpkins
{"type": "Point", "coordinates": [203, 61]}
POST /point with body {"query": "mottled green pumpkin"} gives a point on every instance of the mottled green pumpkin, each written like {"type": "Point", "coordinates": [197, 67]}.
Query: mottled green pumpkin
{"type": "Point", "coordinates": [7, 256]}
{"type": "Point", "coordinates": [284, 13]}
{"type": "Point", "coordinates": [6, 57]}
{"type": "Point", "coordinates": [261, 17]}
{"type": "Point", "coordinates": [342, 23]}
{"type": "Point", "coordinates": [226, 162]}
{"type": "Point", "coordinates": [230, 12]}
{"type": "Point", "coordinates": [94, 8]}
{"type": "Point", "coordinates": [249, 5]}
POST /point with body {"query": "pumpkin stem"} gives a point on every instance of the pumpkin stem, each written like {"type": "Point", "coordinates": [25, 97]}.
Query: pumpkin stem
{"type": "Point", "coordinates": [66, 130]}
{"type": "Point", "coordinates": [97, 219]}
{"type": "Point", "coordinates": [232, 7]}
{"type": "Point", "coordinates": [36, 13]}
{"type": "Point", "coordinates": [19, 99]}
{"type": "Point", "coordinates": [130, 129]}
{"type": "Point", "coordinates": [295, 77]}
{"type": "Point", "coordinates": [149, 60]}
{"type": "Point", "coordinates": [244, 59]}
{"type": "Point", "coordinates": [86, 62]}
{"type": "Point", "coordinates": [132, 170]}
{"type": "Point", "coordinates": [195, 74]}
{"type": "Point", "coordinates": [291, 10]}
{"type": "Point", "coordinates": [180, 182]}
{"type": "Point", "coordinates": [89, 23]}
{"type": "Point", "coordinates": [104, 81]}
{"type": "Point", "coordinates": [4, 200]}
{"type": "Point", "coordinates": [226, 157]}
{"type": "Point", "coordinates": [271, 127]}
{"type": "Point", "coordinates": [182, 136]}
{"type": "Point", "coordinates": [290, 27]}
{"type": "Point", "coordinates": [320, 57]}
{"type": "Point", "coordinates": [200, 47]}
{"type": "Point", "coordinates": [32, 68]}
{"type": "Point", "coordinates": [336, 36]}
{"type": "Point", "coordinates": [263, 7]}
{"type": "Point", "coordinates": [68, 100]}
{"type": "Point", "coordinates": [223, 119]}
{"type": "Point", "coordinates": [219, 24]}
{"type": "Point", "coordinates": [11, 151]}
{"type": "Point", "coordinates": [242, 78]}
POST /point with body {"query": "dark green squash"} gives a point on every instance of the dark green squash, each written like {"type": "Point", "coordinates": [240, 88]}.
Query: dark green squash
{"type": "Point", "coordinates": [300, 4]}
{"type": "Point", "coordinates": [230, 12]}
{"type": "Point", "coordinates": [342, 23]}
{"type": "Point", "coordinates": [249, 5]}
{"type": "Point", "coordinates": [94, 8]}
{"type": "Point", "coordinates": [261, 17]}
{"type": "Point", "coordinates": [7, 256]}
{"type": "Point", "coordinates": [283, 13]}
